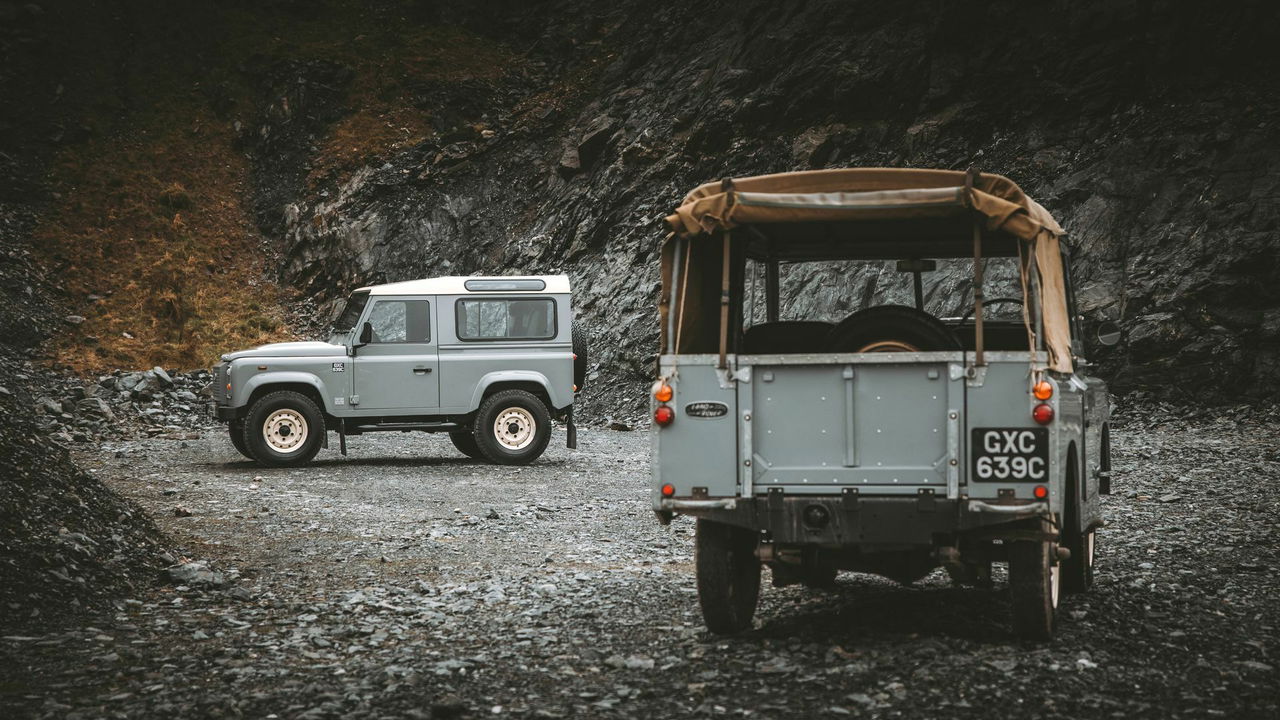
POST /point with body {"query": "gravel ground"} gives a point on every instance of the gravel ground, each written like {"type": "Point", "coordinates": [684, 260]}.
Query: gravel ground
{"type": "Point", "coordinates": [405, 581]}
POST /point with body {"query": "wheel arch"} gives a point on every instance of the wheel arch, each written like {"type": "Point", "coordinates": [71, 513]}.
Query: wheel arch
{"type": "Point", "coordinates": [303, 388]}
{"type": "Point", "coordinates": [531, 382]}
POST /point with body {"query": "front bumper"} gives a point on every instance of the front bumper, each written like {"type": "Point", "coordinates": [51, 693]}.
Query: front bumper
{"type": "Point", "coordinates": [848, 520]}
{"type": "Point", "coordinates": [223, 413]}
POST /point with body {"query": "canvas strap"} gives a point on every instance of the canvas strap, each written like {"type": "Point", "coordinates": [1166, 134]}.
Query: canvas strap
{"type": "Point", "coordinates": [726, 186]}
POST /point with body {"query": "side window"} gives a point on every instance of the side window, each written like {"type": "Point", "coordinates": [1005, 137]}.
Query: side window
{"type": "Point", "coordinates": [401, 321]}
{"type": "Point", "coordinates": [494, 319]}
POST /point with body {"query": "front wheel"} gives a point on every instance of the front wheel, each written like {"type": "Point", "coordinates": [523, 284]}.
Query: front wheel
{"type": "Point", "coordinates": [728, 576]}
{"type": "Point", "coordinates": [1033, 587]}
{"type": "Point", "coordinates": [512, 427]}
{"type": "Point", "coordinates": [284, 429]}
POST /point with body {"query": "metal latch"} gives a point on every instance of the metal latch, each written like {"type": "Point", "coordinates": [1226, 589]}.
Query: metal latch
{"type": "Point", "coordinates": [924, 500]}
{"type": "Point", "coordinates": [849, 499]}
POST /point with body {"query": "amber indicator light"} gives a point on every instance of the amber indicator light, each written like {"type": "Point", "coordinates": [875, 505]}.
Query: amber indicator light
{"type": "Point", "coordinates": [1043, 390]}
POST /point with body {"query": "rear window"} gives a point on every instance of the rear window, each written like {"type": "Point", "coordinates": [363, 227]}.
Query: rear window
{"type": "Point", "coordinates": [514, 319]}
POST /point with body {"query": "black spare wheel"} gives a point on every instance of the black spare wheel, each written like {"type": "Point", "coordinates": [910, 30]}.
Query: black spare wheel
{"type": "Point", "coordinates": [284, 429]}
{"type": "Point", "coordinates": [892, 328]}
{"type": "Point", "coordinates": [580, 357]}
{"type": "Point", "coordinates": [512, 427]}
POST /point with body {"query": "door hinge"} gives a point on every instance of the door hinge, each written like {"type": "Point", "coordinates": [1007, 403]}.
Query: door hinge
{"type": "Point", "coordinates": [355, 400]}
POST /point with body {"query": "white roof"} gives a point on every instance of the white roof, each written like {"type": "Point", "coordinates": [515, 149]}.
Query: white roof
{"type": "Point", "coordinates": [456, 285]}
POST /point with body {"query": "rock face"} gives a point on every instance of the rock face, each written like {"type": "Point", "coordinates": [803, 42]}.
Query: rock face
{"type": "Point", "coordinates": [1119, 117]}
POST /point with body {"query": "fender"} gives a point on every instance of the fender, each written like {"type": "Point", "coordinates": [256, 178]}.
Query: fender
{"type": "Point", "coordinates": [241, 393]}
{"type": "Point", "coordinates": [525, 376]}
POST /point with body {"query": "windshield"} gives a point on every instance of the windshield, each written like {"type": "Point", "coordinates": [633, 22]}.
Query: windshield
{"type": "Point", "coordinates": [349, 316]}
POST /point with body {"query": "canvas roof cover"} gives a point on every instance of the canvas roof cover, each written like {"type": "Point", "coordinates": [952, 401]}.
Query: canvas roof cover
{"type": "Point", "coordinates": [871, 213]}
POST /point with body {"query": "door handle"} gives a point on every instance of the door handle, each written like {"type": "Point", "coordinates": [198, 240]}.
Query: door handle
{"type": "Point", "coordinates": [421, 370]}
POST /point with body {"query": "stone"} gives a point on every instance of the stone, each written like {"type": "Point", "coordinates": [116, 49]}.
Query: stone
{"type": "Point", "coordinates": [195, 574]}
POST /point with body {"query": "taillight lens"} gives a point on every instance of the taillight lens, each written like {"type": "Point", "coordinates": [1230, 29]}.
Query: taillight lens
{"type": "Point", "coordinates": [664, 415]}
{"type": "Point", "coordinates": [1041, 492]}
{"type": "Point", "coordinates": [662, 392]}
{"type": "Point", "coordinates": [668, 490]}
{"type": "Point", "coordinates": [1042, 414]}
{"type": "Point", "coordinates": [1043, 390]}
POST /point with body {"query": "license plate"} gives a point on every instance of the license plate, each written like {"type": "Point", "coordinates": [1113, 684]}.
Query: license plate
{"type": "Point", "coordinates": [1010, 455]}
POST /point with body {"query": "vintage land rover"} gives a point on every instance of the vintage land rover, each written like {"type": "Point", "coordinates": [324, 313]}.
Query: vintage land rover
{"type": "Point", "coordinates": [489, 360]}
{"type": "Point", "coordinates": [837, 391]}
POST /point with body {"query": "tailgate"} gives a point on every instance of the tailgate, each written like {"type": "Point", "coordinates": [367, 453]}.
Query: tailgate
{"type": "Point", "coordinates": [883, 427]}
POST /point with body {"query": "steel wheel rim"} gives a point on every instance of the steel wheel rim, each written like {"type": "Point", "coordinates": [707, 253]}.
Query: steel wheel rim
{"type": "Point", "coordinates": [889, 346]}
{"type": "Point", "coordinates": [514, 428]}
{"type": "Point", "coordinates": [285, 431]}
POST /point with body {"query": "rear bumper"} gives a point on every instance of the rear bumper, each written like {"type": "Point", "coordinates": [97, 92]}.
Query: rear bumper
{"type": "Point", "coordinates": [850, 520]}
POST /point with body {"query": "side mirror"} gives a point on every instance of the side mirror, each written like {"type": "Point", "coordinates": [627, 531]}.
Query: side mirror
{"type": "Point", "coordinates": [366, 334]}
{"type": "Point", "coordinates": [1107, 333]}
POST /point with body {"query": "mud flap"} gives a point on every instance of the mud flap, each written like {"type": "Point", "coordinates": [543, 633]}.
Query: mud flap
{"type": "Point", "coordinates": [342, 437]}
{"type": "Point", "coordinates": [571, 431]}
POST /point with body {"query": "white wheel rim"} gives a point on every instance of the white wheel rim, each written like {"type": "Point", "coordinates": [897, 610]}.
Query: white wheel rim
{"type": "Point", "coordinates": [285, 431]}
{"type": "Point", "coordinates": [1088, 549]}
{"type": "Point", "coordinates": [514, 428]}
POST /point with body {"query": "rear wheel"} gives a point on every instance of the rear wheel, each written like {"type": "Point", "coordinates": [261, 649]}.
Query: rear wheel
{"type": "Point", "coordinates": [236, 431]}
{"type": "Point", "coordinates": [1033, 587]}
{"type": "Point", "coordinates": [466, 444]}
{"type": "Point", "coordinates": [284, 429]}
{"type": "Point", "coordinates": [512, 427]}
{"type": "Point", "coordinates": [728, 576]}
{"type": "Point", "coordinates": [1077, 570]}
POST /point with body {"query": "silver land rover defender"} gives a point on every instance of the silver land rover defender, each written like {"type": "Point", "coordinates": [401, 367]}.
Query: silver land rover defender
{"type": "Point", "coordinates": [914, 396]}
{"type": "Point", "coordinates": [489, 360]}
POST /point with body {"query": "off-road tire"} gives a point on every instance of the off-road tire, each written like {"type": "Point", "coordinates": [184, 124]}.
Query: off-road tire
{"type": "Point", "coordinates": [728, 576]}
{"type": "Point", "coordinates": [1076, 571]}
{"type": "Point", "coordinates": [523, 408]}
{"type": "Point", "coordinates": [581, 356]}
{"type": "Point", "coordinates": [288, 407]}
{"type": "Point", "coordinates": [913, 329]}
{"type": "Point", "coordinates": [466, 444]}
{"type": "Point", "coordinates": [1032, 596]}
{"type": "Point", "coordinates": [236, 431]}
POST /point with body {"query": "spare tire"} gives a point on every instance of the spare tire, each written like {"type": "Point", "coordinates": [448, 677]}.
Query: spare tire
{"type": "Point", "coordinates": [580, 356]}
{"type": "Point", "coordinates": [892, 328]}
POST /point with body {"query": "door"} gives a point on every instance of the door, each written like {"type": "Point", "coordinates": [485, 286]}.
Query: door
{"type": "Point", "coordinates": [399, 370]}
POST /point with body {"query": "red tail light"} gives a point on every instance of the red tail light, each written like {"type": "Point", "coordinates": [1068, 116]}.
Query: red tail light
{"type": "Point", "coordinates": [1041, 492]}
{"type": "Point", "coordinates": [1042, 414]}
{"type": "Point", "coordinates": [668, 490]}
{"type": "Point", "coordinates": [664, 415]}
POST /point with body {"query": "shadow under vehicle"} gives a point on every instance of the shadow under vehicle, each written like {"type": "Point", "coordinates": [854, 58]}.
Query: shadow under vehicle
{"type": "Point", "coordinates": [897, 438]}
{"type": "Point", "coordinates": [489, 360]}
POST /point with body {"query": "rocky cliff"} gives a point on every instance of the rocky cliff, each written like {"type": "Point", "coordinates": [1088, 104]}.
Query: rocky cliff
{"type": "Point", "coordinates": [369, 142]}
{"type": "Point", "coordinates": [1149, 129]}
